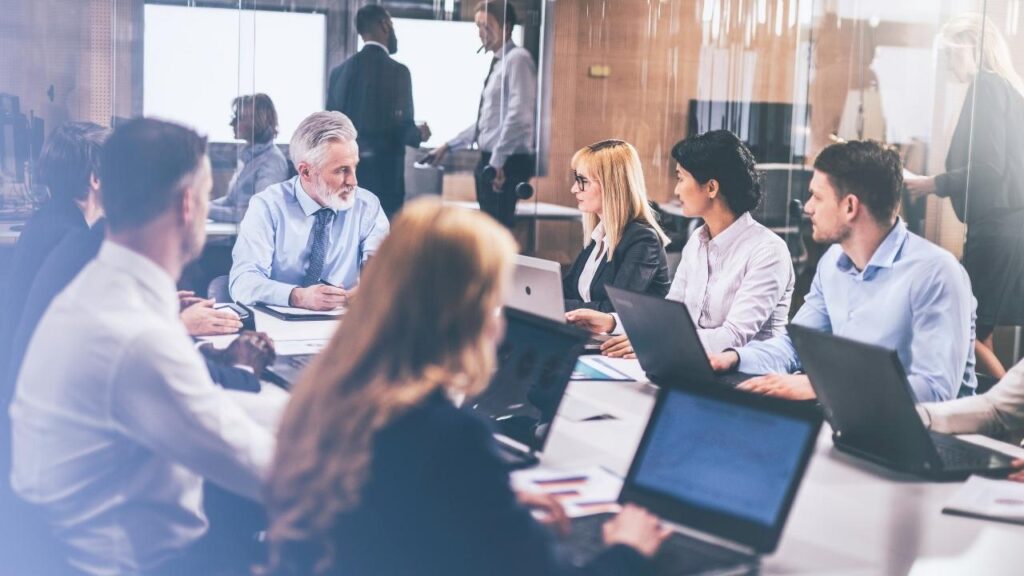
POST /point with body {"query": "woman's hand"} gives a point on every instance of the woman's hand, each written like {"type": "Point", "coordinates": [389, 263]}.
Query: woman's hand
{"type": "Point", "coordinates": [551, 512]}
{"type": "Point", "coordinates": [592, 320]}
{"type": "Point", "coordinates": [918, 186]}
{"type": "Point", "coordinates": [636, 528]}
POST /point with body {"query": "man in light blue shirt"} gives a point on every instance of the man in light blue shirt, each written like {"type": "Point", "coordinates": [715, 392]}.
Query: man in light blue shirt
{"type": "Point", "coordinates": [879, 284]}
{"type": "Point", "coordinates": [303, 242]}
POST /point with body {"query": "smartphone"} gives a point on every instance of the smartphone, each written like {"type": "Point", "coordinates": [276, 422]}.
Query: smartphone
{"type": "Point", "coordinates": [243, 313]}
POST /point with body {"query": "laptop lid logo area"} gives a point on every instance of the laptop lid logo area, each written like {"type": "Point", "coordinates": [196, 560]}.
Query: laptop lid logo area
{"type": "Point", "coordinates": [537, 288]}
{"type": "Point", "coordinates": [664, 338]}
{"type": "Point", "coordinates": [535, 362]}
{"type": "Point", "coordinates": [723, 462]}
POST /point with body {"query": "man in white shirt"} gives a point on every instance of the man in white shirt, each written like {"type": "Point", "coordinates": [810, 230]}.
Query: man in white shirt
{"type": "Point", "coordinates": [115, 419]}
{"type": "Point", "coordinates": [506, 117]}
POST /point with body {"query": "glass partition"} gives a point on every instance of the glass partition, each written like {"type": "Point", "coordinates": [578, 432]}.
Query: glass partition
{"type": "Point", "coordinates": [789, 77]}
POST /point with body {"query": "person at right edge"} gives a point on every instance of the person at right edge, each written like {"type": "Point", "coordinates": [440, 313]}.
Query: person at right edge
{"type": "Point", "coordinates": [504, 129]}
{"type": "Point", "coordinates": [984, 176]}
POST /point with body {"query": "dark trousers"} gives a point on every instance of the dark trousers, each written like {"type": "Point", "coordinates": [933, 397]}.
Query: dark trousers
{"type": "Point", "coordinates": [502, 205]}
{"type": "Point", "coordinates": [383, 173]}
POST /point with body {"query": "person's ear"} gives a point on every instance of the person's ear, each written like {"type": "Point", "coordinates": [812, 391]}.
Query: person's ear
{"type": "Point", "coordinates": [186, 206]}
{"type": "Point", "coordinates": [305, 170]}
{"type": "Point", "coordinates": [712, 188]}
{"type": "Point", "coordinates": [94, 181]}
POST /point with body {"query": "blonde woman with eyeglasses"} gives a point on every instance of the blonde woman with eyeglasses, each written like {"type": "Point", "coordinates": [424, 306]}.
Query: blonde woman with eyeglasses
{"type": "Point", "coordinates": [625, 246]}
{"type": "Point", "coordinates": [378, 472]}
{"type": "Point", "coordinates": [984, 177]}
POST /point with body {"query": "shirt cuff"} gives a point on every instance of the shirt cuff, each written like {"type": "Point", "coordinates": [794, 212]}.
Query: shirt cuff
{"type": "Point", "coordinates": [926, 416]}
{"type": "Point", "coordinates": [280, 294]}
{"type": "Point", "coordinates": [498, 160]}
{"type": "Point", "coordinates": [618, 329]}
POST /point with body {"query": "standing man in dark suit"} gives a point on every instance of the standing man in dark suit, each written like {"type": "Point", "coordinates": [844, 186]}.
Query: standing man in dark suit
{"type": "Point", "coordinates": [376, 93]}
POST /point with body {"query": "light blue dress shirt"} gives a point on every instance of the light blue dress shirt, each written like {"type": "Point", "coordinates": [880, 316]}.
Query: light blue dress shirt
{"type": "Point", "coordinates": [275, 237]}
{"type": "Point", "coordinates": [912, 297]}
{"type": "Point", "coordinates": [259, 166]}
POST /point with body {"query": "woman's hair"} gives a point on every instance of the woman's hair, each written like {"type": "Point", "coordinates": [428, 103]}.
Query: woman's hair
{"type": "Point", "coordinates": [989, 49]}
{"type": "Point", "coordinates": [264, 116]}
{"type": "Point", "coordinates": [416, 326]}
{"type": "Point", "coordinates": [719, 155]}
{"type": "Point", "coordinates": [616, 165]}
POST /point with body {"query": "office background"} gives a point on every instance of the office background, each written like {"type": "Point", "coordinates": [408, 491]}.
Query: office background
{"type": "Point", "coordinates": [788, 76]}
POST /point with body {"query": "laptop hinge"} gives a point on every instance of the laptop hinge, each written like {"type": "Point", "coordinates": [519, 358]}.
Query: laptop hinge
{"type": "Point", "coordinates": [712, 539]}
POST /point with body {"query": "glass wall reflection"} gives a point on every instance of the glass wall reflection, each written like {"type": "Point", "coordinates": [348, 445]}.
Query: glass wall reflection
{"type": "Point", "coordinates": [788, 77]}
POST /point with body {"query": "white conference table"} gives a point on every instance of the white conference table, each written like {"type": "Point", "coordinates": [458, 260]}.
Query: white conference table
{"type": "Point", "coordinates": [850, 518]}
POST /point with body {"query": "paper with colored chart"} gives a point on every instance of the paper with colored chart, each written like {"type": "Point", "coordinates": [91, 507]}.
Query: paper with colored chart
{"type": "Point", "coordinates": [980, 497]}
{"type": "Point", "coordinates": [598, 369]}
{"type": "Point", "coordinates": [581, 492]}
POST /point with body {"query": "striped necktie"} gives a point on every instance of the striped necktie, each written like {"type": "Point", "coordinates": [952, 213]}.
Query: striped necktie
{"type": "Point", "coordinates": [318, 251]}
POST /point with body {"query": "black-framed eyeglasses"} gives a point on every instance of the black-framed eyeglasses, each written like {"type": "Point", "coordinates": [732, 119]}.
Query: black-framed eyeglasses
{"type": "Point", "coordinates": [579, 180]}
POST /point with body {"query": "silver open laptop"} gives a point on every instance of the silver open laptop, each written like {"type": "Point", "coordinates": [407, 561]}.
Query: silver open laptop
{"type": "Point", "coordinates": [537, 288]}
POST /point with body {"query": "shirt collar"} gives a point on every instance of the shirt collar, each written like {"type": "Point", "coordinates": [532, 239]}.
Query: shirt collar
{"type": "Point", "coordinates": [378, 44]}
{"type": "Point", "coordinates": [309, 206]}
{"type": "Point", "coordinates": [885, 255]}
{"type": "Point", "coordinates": [509, 45]}
{"type": "Point", "coordinates": [727, 237]}
{"type": "Point", "coordinates": [598, 234]}
{"type": "Point", "coordinates": [149, 274]}
{"type": "Point", "coordinates": [250, 151]}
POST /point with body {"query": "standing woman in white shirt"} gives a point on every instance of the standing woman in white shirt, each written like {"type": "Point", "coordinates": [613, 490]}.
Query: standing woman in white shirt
{"type": "Point", "coordinates": [735, 276]}
{"type": "Point", "coordinates": [626, 246]}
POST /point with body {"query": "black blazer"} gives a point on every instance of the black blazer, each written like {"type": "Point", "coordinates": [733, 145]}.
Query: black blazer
{"type": "Point", "coordinates": [44, 230]}
{"type": "Point", "coordinates": [375, 92]}
{"type": "Point", "coordinates": [989, 138]}
{"type": "Point", "coordinates": [438, 503]}
{"type": "Point", "coordinates": [639, 264]}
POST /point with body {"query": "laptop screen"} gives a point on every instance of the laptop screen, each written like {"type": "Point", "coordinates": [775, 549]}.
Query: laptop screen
{"type": "Point", "coordinates": [728, 458]}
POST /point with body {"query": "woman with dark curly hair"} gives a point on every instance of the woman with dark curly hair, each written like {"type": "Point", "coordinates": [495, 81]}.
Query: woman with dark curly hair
{"type": "Point", "coordinates": [735, 276]}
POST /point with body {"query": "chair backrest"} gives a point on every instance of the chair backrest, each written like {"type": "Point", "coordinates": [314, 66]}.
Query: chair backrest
{"type": "Point", "coordinates": [218, 289]}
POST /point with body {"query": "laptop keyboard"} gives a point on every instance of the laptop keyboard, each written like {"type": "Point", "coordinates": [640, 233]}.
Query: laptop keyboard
{"type": "Point", "coordinates": [678, 555]}
{"type": "Point", "coordinates": [959, 455]}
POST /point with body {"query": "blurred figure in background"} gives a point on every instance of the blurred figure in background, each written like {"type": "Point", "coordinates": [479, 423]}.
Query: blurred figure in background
{"type": "Point", "coordinates": [984, 176]}
{"type": "Point", "coordinates": [260, 162]}
{"type": "Point", "coordinates": [504, 128]}
{"type": "Point", "coordinates": [375, 92]}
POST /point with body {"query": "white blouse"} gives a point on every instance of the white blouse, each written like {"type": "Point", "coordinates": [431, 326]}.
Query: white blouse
{"type": "Point", "coordinates": [593, 262]}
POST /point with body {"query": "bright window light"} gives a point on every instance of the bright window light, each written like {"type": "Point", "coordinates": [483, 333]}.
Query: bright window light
{"type": "Point", "coordinates": [197, 60]}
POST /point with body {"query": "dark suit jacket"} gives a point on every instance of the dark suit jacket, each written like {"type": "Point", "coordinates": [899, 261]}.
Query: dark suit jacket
{"type": "Point", "coordinates": [376, 93]}
{"type": "Point", "coordinates": [989, 139]}
{"type": "Point", "coordinates": [438, 503]}
{"type": "Point", "coordinates": [47, 227]}
{"type": "Point", "coordinates": [639, 264]}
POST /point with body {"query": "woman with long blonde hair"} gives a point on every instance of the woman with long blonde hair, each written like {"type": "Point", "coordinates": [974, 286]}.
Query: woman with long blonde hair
{"type": "Point", "coordinates": [377, 472]}
{"type": "Point", "coordinates": [984, 177]}
{"type": "Point", "coordinates": [625, 245]}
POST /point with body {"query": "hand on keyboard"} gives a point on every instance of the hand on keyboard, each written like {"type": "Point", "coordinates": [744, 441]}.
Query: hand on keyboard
{"type": "Point", "coordinates": [637, 528]}
{"type": "Point", "coordinates": [550, 511]}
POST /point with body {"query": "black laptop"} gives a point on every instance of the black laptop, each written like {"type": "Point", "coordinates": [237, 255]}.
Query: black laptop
{"type": "Point", "coordinates": [870, 405]}
{"type": "Point", "coordinates": [535, 362]}
{"type": "Point", "coordinates": [665, 340]}
{"type": "Point", "coordinates": [722, 463]}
